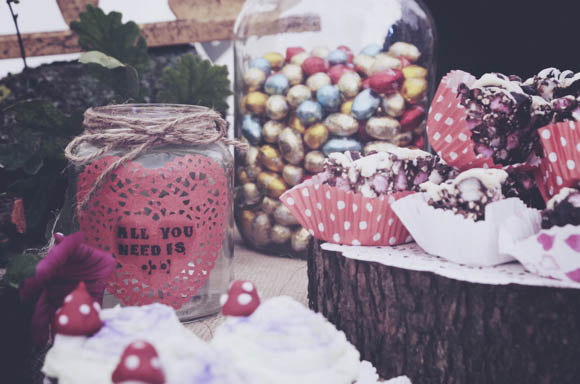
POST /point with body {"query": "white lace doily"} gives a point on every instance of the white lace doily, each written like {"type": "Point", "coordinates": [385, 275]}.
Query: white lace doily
{"type": "Point", "coordinates": [411, 256]}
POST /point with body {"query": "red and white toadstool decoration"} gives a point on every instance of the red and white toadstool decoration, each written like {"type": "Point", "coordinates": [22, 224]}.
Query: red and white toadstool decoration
{"type": "Point", "coordinates": [139, 364]}
{"type": "Point", "coordinates": [79, 315]}
{"type": "Point", "coordinates": [241, 300]}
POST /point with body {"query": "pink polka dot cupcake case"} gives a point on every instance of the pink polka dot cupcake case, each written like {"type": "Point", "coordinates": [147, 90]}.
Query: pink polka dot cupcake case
{"type": "Point", "coordinates": [345, 217]}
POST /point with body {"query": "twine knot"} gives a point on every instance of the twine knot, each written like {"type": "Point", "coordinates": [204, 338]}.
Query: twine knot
{"type": "Point", "coordinates": [135, 128]}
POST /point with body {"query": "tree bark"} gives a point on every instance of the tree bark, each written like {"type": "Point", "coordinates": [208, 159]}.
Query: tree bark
{"type": "Point", "coordinates": [439, 330]}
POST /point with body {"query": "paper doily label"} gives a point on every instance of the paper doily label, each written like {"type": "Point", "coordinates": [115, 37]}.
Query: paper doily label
{"type": "Point", "coordinates": [164, 226]}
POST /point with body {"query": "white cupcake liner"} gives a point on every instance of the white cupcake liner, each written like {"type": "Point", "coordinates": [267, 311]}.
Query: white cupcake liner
{"type": "Point", "coordinates": [553, 252]}
{"type": "Point", "coordinates": [442, 233]}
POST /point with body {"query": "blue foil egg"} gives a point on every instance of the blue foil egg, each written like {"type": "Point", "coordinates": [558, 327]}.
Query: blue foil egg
{"type": "Point", "coordinates": [329, 97]}
{"type": "Point", "coordinates": [309, 112]}
{"type": "Point", "coordinates": [276, 84]}
{"type": "Point", "coordinates": [337, 56]}
{"type": "Point", "coordinates": [371, 49]}
{"type": "Point", "coordinates": [341, 144]}
{"type": "Point", "coordinates": [262, 64]}
{"type": "Point", "coordinates": [365, 104]}
{"type": "Point", "coordinates": [251, 129]}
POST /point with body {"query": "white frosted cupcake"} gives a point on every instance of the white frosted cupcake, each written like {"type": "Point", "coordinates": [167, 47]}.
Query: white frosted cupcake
{"type": "Point", "coordinates": [284, 342]}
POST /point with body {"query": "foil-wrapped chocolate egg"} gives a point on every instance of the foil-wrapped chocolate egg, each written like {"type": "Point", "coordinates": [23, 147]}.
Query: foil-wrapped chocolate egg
{"type": "Point", "coordinates": [296, 124]}
{"type": "Point", "coordinates": [394, 104]}
{"type": "Point", "coordinates": [383, 62]}
{"type": "Point", "coordinates": [270, 158]}
{"type": "Point", "coordinates": [349, 84]}
{"type": "Point", "coordinates": [242, 176]}
{"type": "Point", "coordinates": [383, 128]}
{"type": "Point", "coordinates": [297, 94]}
{"type": "Point", "coordinates": [300, 240]}
{"type": "Point", "coordinates": [329, 97]}
{"type": "Point", "coordinates": [254, 78]}
{"type": "Point", "coordinates": [272, 183]}
{"type": "Point", "coordinates": [251, 129]}
{"type": "Point", "coordinates": [363, 63]}
{"type": "Point", "coordinates": [346, 107]}
{"type": "Point", "coordinates": [293, 73]}
{"type": "Point", "coordinates": [292, 174]}
{"type": "Point", "coordinates": [246, 218]}
{"type": "Point", "coordinates": [251, 158]}
{"type": "Point", "coordinates": [276, 107]}
{"type": "Point", "coordinates": [309, 112]}
{"type": "Point", "coordinates": [403, 139]}
{"type": "Point", "coordinates": [406, 50]}
{"type": "Point", "coordinates": [340, 124]}
{"type": "Point", "coordinates": [251, 193]}
{"type": "Point", "coordinates": [280, 234]}
{"type": "Point", "coordinates": [414, 71]}
{"type": "Point", "coordinates": [317, 81]}
{"type": "Point", "coordinates": [320, 51]}
{"type": "Point", "coordinates": [261, 64]}
{"type": "Point", "coordinates": [290, 143]}
{"type": "Point", "coordinates": [256, 102]}
{"type": "Point", "coordinates": [378, 146]}
{"type": "Point", "coordinates": [338, 56]}
{"type": "Point", "coordinates": [276, 84]}
{"type": "Point", "coordinates": [340, 144]}
{"type": "Point", "coordinates": [365, 104]}
{"type": "Point", "coordinates": [271, 130]}
{"type": "Point", "coordinates": [316, 135]}
{"type": "Point", "coordinates": [269, 205]}
{"type": "Point", "coordinates": [371, 49]}
{"type": "Point", "coordinates": [252, 172]}
{"type": "Point", "coordinates": [275, 59]}
{"type": "Point", "coordinates": [414, 90]}
{"type": "Point", "coordinates": [261, 227]}
{"type": "Point", "coordinates": [299, 58]}
{"type": "Point", "coordinates": [314, 161]}
{"type": "Point", "coordinates": [283, 216]}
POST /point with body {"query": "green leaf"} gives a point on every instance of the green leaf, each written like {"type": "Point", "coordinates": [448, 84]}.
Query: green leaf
{"type": "Point", "coordinates": [38, 131]}
{"type": "Point", "coordinates": [96, 57]}
{"type": "Point", "coordinates": [107, 34]}
{"type": "Point", "coordinates": [195, 81]}
{"type": "Point", "coordinates": [22, 266]}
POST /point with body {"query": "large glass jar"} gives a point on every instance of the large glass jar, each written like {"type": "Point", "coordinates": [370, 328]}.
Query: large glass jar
{"type": "Point", "coordinates": [315, 77]}
{"type": "Point", "coordinates": [166, 216]}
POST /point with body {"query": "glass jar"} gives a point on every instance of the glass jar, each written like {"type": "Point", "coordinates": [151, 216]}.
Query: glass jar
{"type": "Point", "coordinates": [166, 216]}
{"type": "Point", "coordinates": [315, 77]}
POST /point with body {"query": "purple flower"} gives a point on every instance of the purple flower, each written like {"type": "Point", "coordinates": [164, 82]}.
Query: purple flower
{"type": "Point", "coordinates": [67, 263]}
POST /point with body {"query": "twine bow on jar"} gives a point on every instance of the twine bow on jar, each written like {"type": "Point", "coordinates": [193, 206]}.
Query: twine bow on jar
{"type": "Point", "coordinates": [111, 128]}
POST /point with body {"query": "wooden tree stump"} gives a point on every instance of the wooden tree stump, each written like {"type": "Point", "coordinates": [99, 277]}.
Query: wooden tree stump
{"type": "Point", "coordinates": [440, 330]}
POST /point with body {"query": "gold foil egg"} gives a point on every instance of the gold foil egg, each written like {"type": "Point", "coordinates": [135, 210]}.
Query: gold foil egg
{"type": "Point", "coordinates": [314, 161]}
{"type": "Point", "coordinates": [247, 217]}
{"type": "Point", "coordinates": [256, 102]}
{"type": "Point", "coordinates": [296, 124]}
{"type": "Point", "coordinates": [383, 128]}
{"type": "Point", "coordinates": [270, 158]}
{"type": "Point", "coordinates": [290, 143]}
{"type": "Point", "coordinates": [297, 94]}
{"type": "Point", "coordinates": [280, 234]}
{"type": "Point", "coordinates": [406, 50]}
{"type": "Point", "coordinates": [394, 104]}
{"type": "Point", "coordinates": [363, 63]}
{"type": "Point", "coordinates": [293, 72]}
{"type": "Point", "coordinates": [292, 174]}
{"type": "Point", "coordinates": [271, 130]}
{"type": "Point", "coordinates": [269, 205]}
{"type": "Point", "coordinates": [403, 139]}
{"type": "Point", "coordinates": [300, 240]}
{"type": "Point", "coordinates": [383, 62]}
{"type": "Point", "coordinates": [275, 59]}
{"type": "Point", "coordinates": [254, 78]}
{"type": "Point", "coordinates": [316, 135]}
{"type": "Point", "coordinates": [276, 107]}
{"type": "Point", "coordinates": [272, 183]}
{"type": "Point", "coordinates": [251, 193]}
{"type": "Point", "coordinates": [346, 107]}
{"type": "Point", "coordinates": [283, 216]}
{"type": "Point", "coordinates": [299, 58]}
{"type": "Point", "coordinates": [414, 89]}
{"type": "Point", "coordinates": [414, 72]}
{"type": "Point", "coordinates": [261, 226]}
{"type": "Point", "coordinates": [349, 84]}
{"type": "Point", "coordinates": [242, 176]}
{"type": "Point", "coordinates": [251, 158]}
{"type": "Point", "coordinates": [340, 124]}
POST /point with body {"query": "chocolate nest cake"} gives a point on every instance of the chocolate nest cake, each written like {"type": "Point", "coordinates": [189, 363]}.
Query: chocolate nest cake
{"type": "Point", "coordinates": [385, 172]}
{"type": "Point", "coordinates": [562, 209]}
